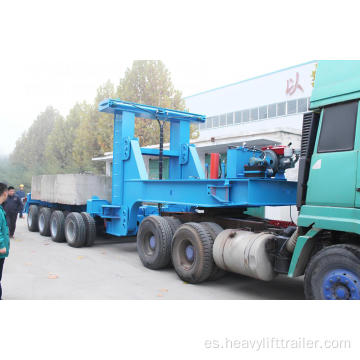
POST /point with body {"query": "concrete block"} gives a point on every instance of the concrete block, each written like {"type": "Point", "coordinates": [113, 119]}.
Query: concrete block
{"type": "Point", "coordinates": [70, 189]}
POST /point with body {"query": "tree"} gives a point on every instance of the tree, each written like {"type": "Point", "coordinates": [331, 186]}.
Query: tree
{"type": "Point", "coordinates": [29, 151]}
{"type": "Point", "coordinates": [60, 143]}
{"type": "Point", "coordinates": [15, 175]}
{"type": "Point", "coordinates": [94, 134]}
{"type": "Point", "coordinates": [85, 143]}
{"type": "Point", "coordinates": [57, 145]}
{"type": "Point", "coordinates": [149, 82]}
{"type": "Point", "coordinates": [105, 128]}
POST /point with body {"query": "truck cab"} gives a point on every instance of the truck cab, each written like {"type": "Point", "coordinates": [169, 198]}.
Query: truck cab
{"type": "Point", "coordinates": [327, 249]}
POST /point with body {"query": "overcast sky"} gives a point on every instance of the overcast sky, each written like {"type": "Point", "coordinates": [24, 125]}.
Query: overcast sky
{"type": "Point", "coordinates": [58, 52]}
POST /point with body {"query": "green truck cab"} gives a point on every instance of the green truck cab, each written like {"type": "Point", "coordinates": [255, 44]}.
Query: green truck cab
{"type": "Point", "coordinates": [326, 246]}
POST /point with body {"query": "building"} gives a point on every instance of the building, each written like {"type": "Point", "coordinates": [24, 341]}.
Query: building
{"type": "Point", "coordinates": [263, 110]}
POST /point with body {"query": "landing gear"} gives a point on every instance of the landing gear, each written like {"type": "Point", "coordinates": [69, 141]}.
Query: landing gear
{"type": "Point", "coordinates": [334, 274]}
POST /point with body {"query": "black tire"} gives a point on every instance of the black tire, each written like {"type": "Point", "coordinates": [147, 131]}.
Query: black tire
{"type": "Point", "coordinates": [44, 221]}
{"type": "Point", "coordinates": [90, 228]}
{"type": "Point", "coordinates": [32, 218]}
{"type": "Point", "coordinates": [173, 222]}
{"type": "Point", "coordinates": [323, 277]}
{"type": "Point", "coordinates": [154, 242]}
{"type": "Point", "coordinates": [57, 226]}
{"type": "Point", "coordinates": [75, 231]}
{"type": "Point", "coordinates": [214, 230]}
{"type": "Point", "coordinates": [191, 253]}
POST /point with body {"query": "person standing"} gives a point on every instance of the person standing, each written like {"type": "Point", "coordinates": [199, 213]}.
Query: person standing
{"type": "Point", "coordinates": [4, 232]}
{"type": "Point", "coordinates": [21, 194]}
{"type": "Point", "coordinates": [12, 207]}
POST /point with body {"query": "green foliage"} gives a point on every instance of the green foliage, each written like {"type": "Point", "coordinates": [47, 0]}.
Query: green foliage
{"type": "Point", "coordinates": [94, 134]}
{"type": "Point", "coordinates": [60, 143]}
{"type": "Point", "coordinates": [29, 151]}
{"type": "Point", "coordinates": [149, 82]}
{"type": "Point", "coordinates": [14, 175]}
{"type": "Point", "coordinates": [54, 144]}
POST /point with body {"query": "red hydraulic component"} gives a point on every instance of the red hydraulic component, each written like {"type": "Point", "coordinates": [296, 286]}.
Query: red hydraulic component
{"type": "Point", "coordinates": [277, 149]}
{"type": "Point", "coordinates": [214, 165]}
{"type": "Point", "coordinates": [281, 223]}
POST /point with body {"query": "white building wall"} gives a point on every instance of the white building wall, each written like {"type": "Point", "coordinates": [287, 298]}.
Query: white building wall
{"type": "Point", "coordinates": [263, 90]}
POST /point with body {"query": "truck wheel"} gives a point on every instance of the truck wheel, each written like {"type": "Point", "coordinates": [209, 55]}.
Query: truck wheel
{"type": "Point", "coordinates": [191, 253]}
{"type": "Point", "coordinates": [214, 230]}
{"type": "Point", "coordinates": [75, 230]}
{"type": "Point", "coordinates": [44, 221]}
{"type": "Point", "coordinates": [334, 274]}
{"type": "Point", "coordinates": [90, 228]}
{"type": "Point", "coordinates": [154, 242]}
{"type": "Point", "coordinates": [173, 222]}
{"type": "Point", "coordinates": [32, 218]}
{"type": "Point", "coordinates": [57, 225]}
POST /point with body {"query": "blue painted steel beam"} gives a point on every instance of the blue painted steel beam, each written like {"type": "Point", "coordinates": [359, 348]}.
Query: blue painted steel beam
{"type": "Point", "coordinates": [212, 193]}
{"type": "Point", "coordinates": [146, 111]}
{"type": "Point", "coordinates": [155, 152]}
{"type": "Point", "coordinates": [187, 187]}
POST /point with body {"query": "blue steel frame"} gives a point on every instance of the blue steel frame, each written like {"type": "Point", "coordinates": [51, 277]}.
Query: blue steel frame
{"type": "Point", "coordinates": [187, 186]}
{"type": "Point", "coordinates": [62, 207]}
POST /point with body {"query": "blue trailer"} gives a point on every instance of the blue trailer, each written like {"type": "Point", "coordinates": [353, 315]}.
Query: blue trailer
{"type": "Point", "coordinates": [177, 220]}
{"type": "Point", "coordinates": [200, 225]}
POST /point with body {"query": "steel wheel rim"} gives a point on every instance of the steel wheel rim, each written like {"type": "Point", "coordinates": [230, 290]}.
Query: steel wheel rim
{"type": "Point", "coordinates": [187, 254]}
{"type": "Point", "coordinates": [53, 227]}
{"type": "Point", "coordinates": [341, 284]}
{"type": "Point", "coordinates": [152, 242]}
{"type": "Point", "coordinates": [149, 244]}
{"type": "Point", "coordinates": [41, 222]}
{"type": "Point", "coordinates": [70, 231]}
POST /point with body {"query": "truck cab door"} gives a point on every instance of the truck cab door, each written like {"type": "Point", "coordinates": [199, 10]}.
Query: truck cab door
{"type": "Point", "coordinates": [333, 177]}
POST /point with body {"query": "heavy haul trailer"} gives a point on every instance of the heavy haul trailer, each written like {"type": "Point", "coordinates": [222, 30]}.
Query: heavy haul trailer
{"type": "Point", "coordinates": [199, 224]}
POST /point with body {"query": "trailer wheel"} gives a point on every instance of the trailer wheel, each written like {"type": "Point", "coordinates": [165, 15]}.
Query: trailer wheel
{"type": "Point", "coordinates": [90, 228]}
{"type": "Point", "coordinates": [214, 230]}
{"type": "Point", "coordinates": [334, 274]}
{"type": "Point", "coordinates": [44, 221]}
{"type": "Point", "coordinates": [154, 242]}
{"type": "Point", "coordinates": [75, 230]}
{"type": "Point", "coordinates": [191, 253]}
{"type": "Point", "coordinates": [173, 222]}
{"type": "Point", "coordinates": [57, 226]}
{"type": "Point", "coordinates": [32, 218]}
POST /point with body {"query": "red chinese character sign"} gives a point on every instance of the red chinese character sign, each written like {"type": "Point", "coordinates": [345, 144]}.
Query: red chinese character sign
{"type": "Point", "coordinates": [293, 85]}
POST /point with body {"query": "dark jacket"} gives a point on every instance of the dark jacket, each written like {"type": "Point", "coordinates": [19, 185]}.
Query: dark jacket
{"type": "Point", "coordinates": [4, 234]}
{"type": "Point", "coordinates": [12, 205]}
{"type": "Point", "coordinates": [21, 194]}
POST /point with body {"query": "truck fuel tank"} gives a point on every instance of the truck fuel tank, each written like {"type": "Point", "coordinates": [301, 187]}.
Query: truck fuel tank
{"type": "Point", "coordinates": [244, 252]}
